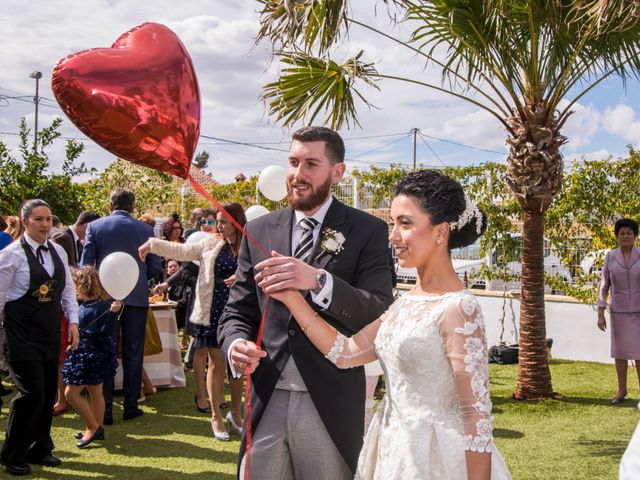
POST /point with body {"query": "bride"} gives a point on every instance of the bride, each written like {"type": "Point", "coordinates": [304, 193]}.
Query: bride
{"type": "Point", "coordinates": [435, 420]}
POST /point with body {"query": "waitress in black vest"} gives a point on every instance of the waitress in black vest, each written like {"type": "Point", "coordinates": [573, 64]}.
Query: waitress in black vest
{"type": "Point", "coordinates": [35, 286]}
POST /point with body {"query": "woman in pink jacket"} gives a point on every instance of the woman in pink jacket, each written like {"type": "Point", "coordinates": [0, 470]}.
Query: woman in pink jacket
{"type": "Point", "coordinates": [621, 279]}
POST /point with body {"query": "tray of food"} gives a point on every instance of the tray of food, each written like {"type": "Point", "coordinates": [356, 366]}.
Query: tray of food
{"type": "Point", "coordinates": [160, 301]}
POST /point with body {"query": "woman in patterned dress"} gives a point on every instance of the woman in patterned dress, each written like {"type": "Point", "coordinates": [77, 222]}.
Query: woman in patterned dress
{"type": "Point", "coordinates": [217, 256]}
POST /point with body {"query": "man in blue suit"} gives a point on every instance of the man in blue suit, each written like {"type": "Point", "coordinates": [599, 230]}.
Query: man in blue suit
{"type": "Point", "coordinates": [120, 232]}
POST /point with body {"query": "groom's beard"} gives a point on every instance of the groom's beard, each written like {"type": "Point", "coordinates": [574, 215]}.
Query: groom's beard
{"type": "Point", "coordinates": [314, 200]}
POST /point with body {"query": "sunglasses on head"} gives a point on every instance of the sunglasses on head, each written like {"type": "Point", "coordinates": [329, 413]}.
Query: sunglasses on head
{"type": "Point", "coordinates": [211, 223]}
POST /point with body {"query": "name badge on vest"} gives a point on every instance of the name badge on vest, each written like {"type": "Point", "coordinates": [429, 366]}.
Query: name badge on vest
{"type": "Point", "coordinates": [43, 293]}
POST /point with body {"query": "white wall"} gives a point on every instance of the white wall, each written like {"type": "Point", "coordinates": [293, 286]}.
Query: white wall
{"type": "Point", "coordinates": [570, 324]}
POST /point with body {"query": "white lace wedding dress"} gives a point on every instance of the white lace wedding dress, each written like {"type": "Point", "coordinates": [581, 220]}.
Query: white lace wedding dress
{"type": "Point", "coordinates": [433, 351]}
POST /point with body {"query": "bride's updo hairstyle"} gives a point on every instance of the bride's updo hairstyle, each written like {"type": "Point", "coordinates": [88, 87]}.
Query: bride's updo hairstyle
{"type": "Point", "coordinates": [443, 199]}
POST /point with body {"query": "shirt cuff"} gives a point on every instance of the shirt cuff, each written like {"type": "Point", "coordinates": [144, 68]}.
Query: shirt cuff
{"type": "Point", "coordinates": [324, 296]}
{"type": "Point", "coordinates": [234, 374]}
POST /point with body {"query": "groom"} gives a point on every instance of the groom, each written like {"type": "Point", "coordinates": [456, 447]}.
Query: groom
{"type": "Point", "coordinates": [306, 415]}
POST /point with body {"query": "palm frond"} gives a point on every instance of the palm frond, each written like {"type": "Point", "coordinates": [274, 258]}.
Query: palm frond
{"type": "Point", "coordinates": [308, 24]}
{"type": "Point", "coordinates": [308, 85]}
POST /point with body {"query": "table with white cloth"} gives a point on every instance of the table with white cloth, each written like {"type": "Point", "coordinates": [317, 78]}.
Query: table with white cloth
{"type": "Point", "coordinates": [164, 369]}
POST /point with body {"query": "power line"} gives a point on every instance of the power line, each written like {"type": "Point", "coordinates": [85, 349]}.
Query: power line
{"type": "Point", "coordinates": [282, 142]}
{"type": "Point", "coordinates": [24, 99]}
{"type": "Point", "coordinates": [381, 146]}
{"type": "Point", "coordinates": [235, 142]}
{"type": "Point", "coordinates": [432, 150]}
{"type": "Point", "coordinates": [463, 144]}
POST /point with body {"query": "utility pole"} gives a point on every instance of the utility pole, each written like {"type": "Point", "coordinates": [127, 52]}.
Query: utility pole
{"type": "Point", "coordinates": [37, 75]}
{"type": "Point", "coordinates": [415, 133]}
{"type": "Point", "coordinates": [184, 196]}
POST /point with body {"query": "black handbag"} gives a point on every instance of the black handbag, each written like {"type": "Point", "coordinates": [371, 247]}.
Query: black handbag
{"type": "Point", "coordinates": [504, 354]}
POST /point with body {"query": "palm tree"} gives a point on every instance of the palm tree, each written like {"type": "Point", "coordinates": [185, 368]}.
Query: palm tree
{"type": "Point", "coordinates": [516, 59]}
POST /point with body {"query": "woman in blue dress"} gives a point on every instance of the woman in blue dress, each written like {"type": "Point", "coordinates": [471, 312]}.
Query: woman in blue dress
{"type": "Point", "coordinates": [95, 359]}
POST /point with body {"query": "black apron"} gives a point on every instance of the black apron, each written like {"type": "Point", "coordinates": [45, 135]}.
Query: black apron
{"type": "Point", "coordinates": [32, 322]}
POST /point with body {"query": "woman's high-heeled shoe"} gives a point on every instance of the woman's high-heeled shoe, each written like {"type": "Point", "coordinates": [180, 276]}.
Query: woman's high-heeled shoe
{"type": "Point", "coordinates": [233, 424]}
{"type": "Point", "coordinates": [97, 435]}
{"type": "Point", "coordinates": [79, 435]}
{"type": "Point", "coordinates": [206, 409]}
{"type": "Point", "coordinates": [222, 436]}
{"type": "Point", "coordinates": [618, 399]}
{"type": "Point", "coordinates": [60, 410]}
{"type": "Point", "coordinates": [150, 391]}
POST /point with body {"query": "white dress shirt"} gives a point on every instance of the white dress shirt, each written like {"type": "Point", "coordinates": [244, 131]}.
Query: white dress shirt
{"type": "Point", "coordinates": [15, 275]}
{"type": "Point", "coordinates": [323, 297]}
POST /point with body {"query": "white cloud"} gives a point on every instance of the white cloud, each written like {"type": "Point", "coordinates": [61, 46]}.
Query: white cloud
{"type": "Point", "coordinates": [582, 125]}
{"type": "Point", "coordinates": [601, 154]}
{"type": "Point", "coordinates": [477, 128]}
{"type": "Point", "coordinates": [621, 120]}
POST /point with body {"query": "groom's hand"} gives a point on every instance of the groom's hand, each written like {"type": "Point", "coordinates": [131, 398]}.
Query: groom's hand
{"type": "Point", "coordinates": [245, 354]}
{"type": "Point", "coordinates": [280, 272]}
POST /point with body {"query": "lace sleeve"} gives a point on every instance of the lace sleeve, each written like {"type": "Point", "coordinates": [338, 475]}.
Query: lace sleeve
{"type": "Point", "coordinates": [465, 344]}
{"type": "Point", "coordinates": [349, 352]}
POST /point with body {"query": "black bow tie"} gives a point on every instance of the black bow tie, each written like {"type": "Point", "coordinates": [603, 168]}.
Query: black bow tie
{"type": "Point", "coordinates": [39, 251]}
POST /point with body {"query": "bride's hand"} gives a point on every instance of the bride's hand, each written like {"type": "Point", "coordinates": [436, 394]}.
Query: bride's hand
{"type": "Point", "coordinates": [285, 296]}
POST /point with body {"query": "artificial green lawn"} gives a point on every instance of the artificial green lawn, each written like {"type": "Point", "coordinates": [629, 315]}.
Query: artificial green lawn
{"type": "Point", "coordinates": [579, 437]}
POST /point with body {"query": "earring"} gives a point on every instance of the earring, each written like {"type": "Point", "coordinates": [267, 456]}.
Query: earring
{"type": "Point", "coordinates": [438, 242]}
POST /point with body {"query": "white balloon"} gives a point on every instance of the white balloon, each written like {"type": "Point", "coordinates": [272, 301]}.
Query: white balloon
{"type": "Point", "coordinates": [255, 211]}
{"type": "Point", "coordinates": [195, 237]}
{"type": "Point", "coordinates": [272, 182]}
{"type": "Point", "coordinates": [119, 274]}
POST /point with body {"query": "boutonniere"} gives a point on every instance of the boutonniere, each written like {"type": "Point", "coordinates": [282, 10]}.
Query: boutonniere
{"type": "Point", "coordinates": [331, 243]}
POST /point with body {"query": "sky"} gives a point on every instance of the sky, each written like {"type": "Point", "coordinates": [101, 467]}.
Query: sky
{"type": "Point", "coordinates": [231, 70]}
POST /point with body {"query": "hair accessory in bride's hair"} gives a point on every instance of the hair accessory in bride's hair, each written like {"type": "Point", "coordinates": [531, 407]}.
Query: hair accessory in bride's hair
{"type": "Point", "coordinates": [470, 212]}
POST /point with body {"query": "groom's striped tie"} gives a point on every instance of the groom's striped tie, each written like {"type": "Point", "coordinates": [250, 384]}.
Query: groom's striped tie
{"type": "Point", "coordinates": [303, 250]}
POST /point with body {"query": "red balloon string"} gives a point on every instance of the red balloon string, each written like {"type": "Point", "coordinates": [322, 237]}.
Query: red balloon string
{"type": "Point", "coordinates": [247, 402]}
{"type": "Point", "coordinates": [198, 188]}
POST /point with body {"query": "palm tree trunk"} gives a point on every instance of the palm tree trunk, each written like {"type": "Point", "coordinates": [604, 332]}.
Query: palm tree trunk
{"type": "Point", "coordinates": [534, 377]}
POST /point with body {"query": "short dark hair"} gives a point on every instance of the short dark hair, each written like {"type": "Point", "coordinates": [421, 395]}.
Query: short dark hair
{"type": "Point", "coordinates": [28, 205]}
{"type": "Point", "coordinates": [442, 198]}
{"type": "Point", "coordinates": [55, 220]}
{"type": "Point", "coordinates": [3, 223]}
{"type": "Point", "coordinates": [122, 199]}
{"type": "Point", "coordinates": [86, 217]}
{"type": "Point", "coordinates": [66, 242]}
{"type": "Point", "coordinates": [333, 144]}
{"type": "Point", "coordinates": [209, 212]}
{"type": "Point", "coordinates": [628, 223]}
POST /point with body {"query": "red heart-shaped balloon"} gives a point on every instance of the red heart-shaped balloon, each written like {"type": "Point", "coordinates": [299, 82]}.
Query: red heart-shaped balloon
{"type": "Point", "coordinates": [138, 99]}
